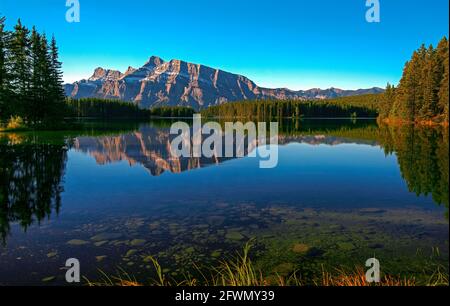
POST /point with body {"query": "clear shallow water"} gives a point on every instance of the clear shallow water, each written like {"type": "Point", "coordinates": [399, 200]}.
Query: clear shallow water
{"type": "Point", "coordinates": [343, 190]}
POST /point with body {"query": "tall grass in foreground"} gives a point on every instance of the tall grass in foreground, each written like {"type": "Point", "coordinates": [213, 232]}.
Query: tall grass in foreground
{"type": "Point", "coordinates": [240, 271]}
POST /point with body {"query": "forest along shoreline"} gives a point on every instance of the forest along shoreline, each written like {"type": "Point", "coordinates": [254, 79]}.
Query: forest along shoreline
{"type": "Point", "coordinates": [32, 95]}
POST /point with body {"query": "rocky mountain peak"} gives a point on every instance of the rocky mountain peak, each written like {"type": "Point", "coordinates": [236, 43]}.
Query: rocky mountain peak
{"type": "Point", "coordinates": [154, 61]}
{"type": "Point", "coordinates": [130, 70]}
{"type": "Point", "coordinates": [101, 74]}
{"type": "Point", "coordinates": [180, 83]}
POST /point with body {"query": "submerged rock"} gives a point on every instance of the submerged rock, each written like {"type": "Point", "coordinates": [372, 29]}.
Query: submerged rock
{"type": "Point", "coordinates": [101, 258]}
{"type": "Point", "coordinates": [284, 268]}
{"type": "Point", "coordinates": [100, 243]}
{"type": "Point", "coordinates": [154, 225]}
{"type": "Point", "coordinates": [300, 248]}
{"type": "Point", "coordinates": [106, 236]}
{"type": "Point", "coordinates": [190, 250]}
{"type": "Point", "coordinates": [131, 252]}
{"type": "Point", "coordinates": [346, 246]}
{"type": "Point", "coordinates": [52, 254]}
{"type": "Point", "coordinates": [235, 236]}
{"type": "Point", "coordinates": [372, 211]}
{"type": "Point", "coordinates": [138, 242]}
{"type": "Point", "coordinates": [215, 220]}
{"type": "Point", "coordinates": [77, 242]}
{"type": "Point", "coordinates": [121, 242]}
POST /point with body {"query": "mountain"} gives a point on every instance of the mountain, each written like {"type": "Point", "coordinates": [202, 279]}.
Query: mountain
{"type": "Point", "coordinates": [160, 83]}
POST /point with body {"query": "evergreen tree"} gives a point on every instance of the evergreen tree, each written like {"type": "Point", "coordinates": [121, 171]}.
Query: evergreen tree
{"type": "Point", "coordinates": [21, 68]}
{"type": "Point", "coordinates": [402, 106]}
{"type": "Point", "coordinates": [4, 69]}
{"type": "Point", "coordinates": [56, 94]}
{"type": "Point", "coordinates": [45, 106]}
{"type": "Point", "coordinates": [387, 101]}
{"type": "Point", "coordinates": [418, 72]}
{"type": "Point", "coordinates": [443, 57]}
{"type": "Point", "coordinates": [430, 86]}
{"type": "Point", "coordinates": [422, 93]}
{"type": "Point", "coordinates": [30, 76]}
{"type": "Point", "coordinates": [37, 76]}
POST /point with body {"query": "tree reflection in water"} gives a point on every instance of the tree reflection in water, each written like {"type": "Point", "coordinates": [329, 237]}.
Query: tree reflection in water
{"type": "Point", "coordinates": [31, 181]}
{"type": "Point", "coordinates": [32, 169]}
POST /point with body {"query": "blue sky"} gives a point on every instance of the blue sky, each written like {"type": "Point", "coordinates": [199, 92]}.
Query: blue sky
{"type": "Point", "coordinates": [297, 44]}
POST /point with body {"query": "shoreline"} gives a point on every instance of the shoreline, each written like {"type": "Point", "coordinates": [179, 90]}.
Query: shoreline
{"type": "Point", "coordinates": [424, 123]}
{"type": "Point", "coordinates": [387, 121]}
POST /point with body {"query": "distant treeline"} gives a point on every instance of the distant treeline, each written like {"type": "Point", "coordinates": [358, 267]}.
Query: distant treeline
{"type": "Point", "coordinates": [369, 101]}
{"type": "Point", "coordinates": [104, 108]}
{"type": "Point", "coordinates": [172, 111]}
{"type": "Point", "coordinates": [30, 76]}
{"type": "Point", "coordinates": [113, 108]}
{"type": "Point", "coordinates": [347, 107]}
{"type": "Point", "coordinates": [422, 94]}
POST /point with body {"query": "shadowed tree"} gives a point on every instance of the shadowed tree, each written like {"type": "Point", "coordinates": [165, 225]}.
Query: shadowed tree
{"type": "Point", "coordinates": [30, 76]}
{"type": "Point", "coordinates": [4, 68]}
{"type": "Point", "coordinates": [56, 90]}
{"type": "Point", "coordinates": [20, 69]}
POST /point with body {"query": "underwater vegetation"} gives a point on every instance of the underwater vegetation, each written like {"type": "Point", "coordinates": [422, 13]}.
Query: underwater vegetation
{"type": "Point", "coordinates": [240, 271]}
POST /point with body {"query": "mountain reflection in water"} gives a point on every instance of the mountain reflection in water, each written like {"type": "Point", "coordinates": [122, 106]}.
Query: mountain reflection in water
{"type": "Point", "coordinates": [32, 166]}
{"type": "Point", "coordinates": [332, 173]}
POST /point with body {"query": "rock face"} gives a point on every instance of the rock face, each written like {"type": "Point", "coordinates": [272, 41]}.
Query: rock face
{"type": "Point", "coordinates": [160, 83]}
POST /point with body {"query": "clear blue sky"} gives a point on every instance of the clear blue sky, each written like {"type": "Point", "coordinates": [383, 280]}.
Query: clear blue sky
{"type": "Point", "coordinates": [297, 44]}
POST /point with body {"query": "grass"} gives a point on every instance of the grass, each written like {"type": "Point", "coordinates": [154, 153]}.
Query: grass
{"type": "Point", "coordinates": [240, 271]}
{"type": "Point", "coordinates": [18, 124]}
{"type": "Point", "coordinates": [358, 279]}
{"type": "Point", "coordinates": [14, 123]}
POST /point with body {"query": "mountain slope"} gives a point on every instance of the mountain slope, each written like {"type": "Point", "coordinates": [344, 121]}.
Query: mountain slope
{"type": "Point", "coordinates": [160, 83]}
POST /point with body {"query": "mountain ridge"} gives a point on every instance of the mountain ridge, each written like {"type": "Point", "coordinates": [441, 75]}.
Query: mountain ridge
{"type": "Point", "coordinates": [180, 83]}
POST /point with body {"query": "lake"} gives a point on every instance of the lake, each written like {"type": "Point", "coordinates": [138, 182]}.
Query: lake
{"type": "Point", "coordinates": [111, 195]}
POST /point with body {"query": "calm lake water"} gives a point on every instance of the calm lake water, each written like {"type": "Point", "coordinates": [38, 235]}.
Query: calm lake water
{"type": "Point", "coordinates": [112, 195]}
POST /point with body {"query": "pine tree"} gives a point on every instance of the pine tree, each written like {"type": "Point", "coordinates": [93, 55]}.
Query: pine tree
{"type": "Point", "coordinates": [21, 69]}
{"type": "Point", "coordinates": [57, 95]}
{"type": "Point", "coordinates": [443, 57]}
{"type": "Point", "coordinates": [387, 101]}
{"type": "Point", "coordinates": [422, 93]}
{"type": "Point", "coordinates": [4, 71]}
{"type": "Point", "coordinates": [30, 75]}
{"type": "Point", "coordinates": [420, 82]}
{"type": "Point", "coordinates": [37, 77]}
{"type": "Point", "coordinates": [403, 104]}
{"type": "Point", "coordinates": [46, 106]}
{"type": "Point", "coordinates": [430, 80]}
